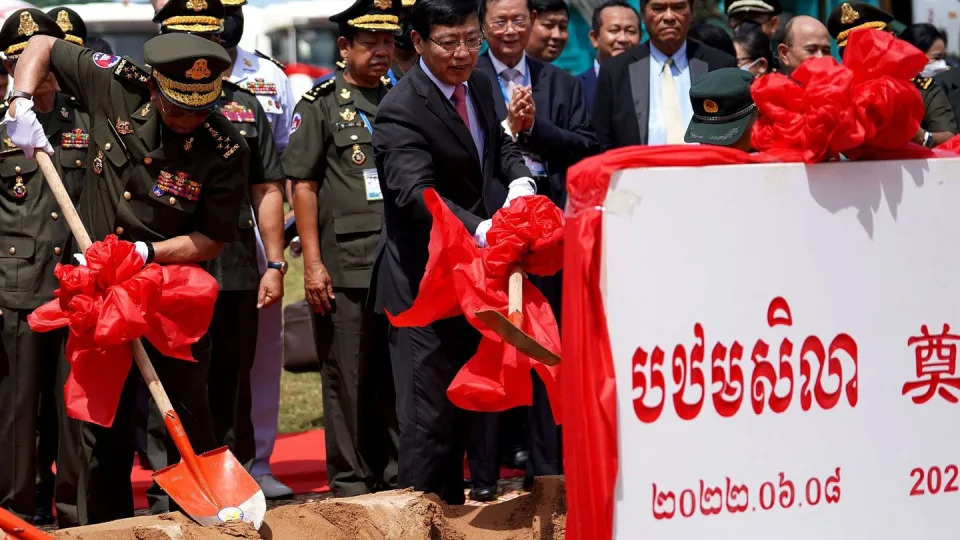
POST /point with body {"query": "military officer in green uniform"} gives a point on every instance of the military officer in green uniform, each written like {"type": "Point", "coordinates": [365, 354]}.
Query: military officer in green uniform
{"type": "Point", "coordinates": [162, 172]}
{"type": "Point", "coordinates": [339, 212]}
{"type": "Point", "coordinates": [939, 123]}
{"type": "Point", "coordinates": [233, 331]}
{"type": "Point", "coordinates": [32, 240]}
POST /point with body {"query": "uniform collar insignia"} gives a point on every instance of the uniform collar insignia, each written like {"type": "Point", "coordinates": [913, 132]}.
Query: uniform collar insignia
{"type": "Point", "coordinates": [63, 110]}
{"type": "Point", "coordinates": [247, 62]}
{"type": "Point", "coordinates": [344, 93]}
{"type": "Point", "coordinates": [348, 115]}
{"type": "Point", "coordinates": [123, 127]}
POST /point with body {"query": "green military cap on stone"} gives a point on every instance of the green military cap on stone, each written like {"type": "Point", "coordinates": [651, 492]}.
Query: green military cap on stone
{"type": "Point", "coordinates": [197, 16]}
{"type": "Point", "coordinates": [852, 16]}
{"type": "Point", "coordinates": [187, 68]}
{"type": "Point", "coordinates": [767, 7]}
{"type": "Point", "coordinates": [71, 23]}
{"type": "Point", "coordinates": [21, 26]}
{"type": "Point", "coordinates": [370, 15]}
{"type": "Point", "coordinates": [722, 107]}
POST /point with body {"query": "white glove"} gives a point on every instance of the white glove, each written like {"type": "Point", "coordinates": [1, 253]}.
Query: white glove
{"type": "Point", "coordinates": [81, 260]}
{"type": "Point", "coordinates": [296, 248]}
{"type": "Point", "coordinates": [521, 187]}
{"type": "Point", "coordinates": [481, 234]}
{"type": "Point", "coordinates": [142, 250]}
{"type": "Point", "coordinates": [25, 130]}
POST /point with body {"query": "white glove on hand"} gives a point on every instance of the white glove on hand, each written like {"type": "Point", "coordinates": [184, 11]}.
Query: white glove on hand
{"type": "Point", "coordinates": [25, 130]}
{"type": "Point", "coordinates": [481, 234]}
{"type": "Point", "coordinates": [142, 251]}
{"type": "Point", "coordinates": [296, 248]}
{"type": "Point", "coordinates": [521, 187]}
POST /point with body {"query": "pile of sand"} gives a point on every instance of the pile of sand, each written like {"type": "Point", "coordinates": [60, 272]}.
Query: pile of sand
{"type": "Point", "coordinates": [405, 514]}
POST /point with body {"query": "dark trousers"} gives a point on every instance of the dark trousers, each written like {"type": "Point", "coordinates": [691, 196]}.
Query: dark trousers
{"type": "Point", "coordinates": [433, 432]}
{"type": "Point", "coordinates": [350, 414]}
{"type": "Point", "coordinates": [70, 460]}
{"type": "Point", "coordinates": [104, 490]}
{"type": "Point", "coordinates": [233, 335]}
{"type": "Point", "coordinates": [27, 360]}
{"type": "Point", "coordinates": [542, 440]}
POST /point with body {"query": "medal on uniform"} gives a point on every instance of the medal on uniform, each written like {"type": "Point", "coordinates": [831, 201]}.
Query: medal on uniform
{"type": "Point", "coordinates": [188, 144]}
{"type": "Point", "coordinates": [19, 190]}
{"type": "Point", "coordinates": [358, 156]}
{"type": "Point", "coordinates": [98, 162]}
{"type": "Point", "coordinates": [64, 112]}
{"type": "Point", "coordinates": [123, 127]}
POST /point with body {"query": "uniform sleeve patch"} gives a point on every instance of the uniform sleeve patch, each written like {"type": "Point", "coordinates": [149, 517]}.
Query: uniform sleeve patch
{"type": "Point", "coordinates": [295, 124]}
{"type": "Point", "coordinates": [105, 61]}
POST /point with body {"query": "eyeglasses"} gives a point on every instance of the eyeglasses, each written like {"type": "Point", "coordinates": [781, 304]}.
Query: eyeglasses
{"type": "Point", "coordinates": [452, 45]}
{"type": "Point", "coordinates": [520, 23]}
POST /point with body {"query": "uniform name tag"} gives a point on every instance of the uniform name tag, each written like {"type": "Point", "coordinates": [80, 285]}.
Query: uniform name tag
{"type": "Point", "coordinates": [372, 181]}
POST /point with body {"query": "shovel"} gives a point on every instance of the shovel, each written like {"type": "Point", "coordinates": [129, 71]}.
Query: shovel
{"type": "Point", "coordinates": [18, 529]}
{"type": "Point", "coordinates": [508, 327]}
{"type": "Point", "coordinates": [212, 487]}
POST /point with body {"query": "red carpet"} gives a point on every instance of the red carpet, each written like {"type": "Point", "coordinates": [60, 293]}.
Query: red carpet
{"type": "Point", "coordinates": [299, 460]}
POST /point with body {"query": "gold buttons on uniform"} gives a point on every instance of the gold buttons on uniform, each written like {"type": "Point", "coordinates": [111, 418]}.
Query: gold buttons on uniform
{"type": "Point", "coordinates": [249, 223]}
{"type": "Point", "coordinates": [55, 216]}
{"type": "Point", "coordinates": [119, 231]}
{"type": "Point", "coordinates": [127, 196]}
{"type": "Point", "coordinates": [57, 251]}
{"type": "Point", "coordinates": [148, 160]}
{"type": "Point", "coordinates": [79, 163]}
{"type": "Point", "coordinates": [12, 251]}
{"type": "Point", "coordinates": [107, 147]}
{"type": "Point", "coordinates": [243, 132]}
{"type": "Point", "coordinates": [17, 169]}
{"type": "Point", "coordinates": [173, 200]}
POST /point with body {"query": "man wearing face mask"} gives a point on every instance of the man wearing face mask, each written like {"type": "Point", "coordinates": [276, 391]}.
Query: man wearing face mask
{"type": "Point", "coordinates": [165, 174]}
{"type": "Point", "coordinates": [263, 77]}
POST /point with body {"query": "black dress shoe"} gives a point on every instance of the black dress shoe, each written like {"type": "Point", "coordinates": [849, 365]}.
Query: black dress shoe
{"type": "Point", "coordinates": [516, 460]}
{"type": "Point", "coordinates": [484, 493]}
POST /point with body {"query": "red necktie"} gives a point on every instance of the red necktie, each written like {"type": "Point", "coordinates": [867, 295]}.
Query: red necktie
{"type": "Point", "coordinates": [460, 102]}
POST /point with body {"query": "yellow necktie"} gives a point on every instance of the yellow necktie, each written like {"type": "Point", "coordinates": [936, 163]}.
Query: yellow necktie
{"type": "Point", "coordinates": [672, 119]}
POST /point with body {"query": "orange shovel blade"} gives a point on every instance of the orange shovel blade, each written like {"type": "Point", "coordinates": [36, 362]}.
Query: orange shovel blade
{"type": "Point", "coordinates": [18, 529]}
{"type": "Point", "coordinates": [507, 329]}
{"type": "Point", "coordinates": [225, 491]}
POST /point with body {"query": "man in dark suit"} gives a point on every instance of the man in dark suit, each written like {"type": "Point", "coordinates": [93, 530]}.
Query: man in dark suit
{"type": "Point", "coordinates": [647, 89]}
{"type": "Point", "coordinates": [436, 129]}
{"type": "Point", "coordinates": [614, 28]}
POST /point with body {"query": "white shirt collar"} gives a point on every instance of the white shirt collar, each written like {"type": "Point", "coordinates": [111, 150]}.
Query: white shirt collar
{"type": "Point", "coordinates": [596, 67]}
{"type": "Point", "coordinates": [679, 57]}
{"type": "Point", "coordinates": [500, 67]}
{"type": "Point", "coordinates": [445, 88]}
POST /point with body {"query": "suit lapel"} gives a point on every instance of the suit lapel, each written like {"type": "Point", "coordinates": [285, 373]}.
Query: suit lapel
{"type": "Point", "coordinates": [698, 66]}
{"type": "Point", "coordinates": [640, 90]}
{"type": "Point", "coordinates": [441, 107]}
{"type": "Point", "coordinates": [484, 64]}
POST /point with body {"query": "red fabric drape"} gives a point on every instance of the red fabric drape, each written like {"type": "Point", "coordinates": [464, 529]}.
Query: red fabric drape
{"type": "Point", "coordinates": [112, 301]}
{"type": "Point", "coordinates": [529, 231]}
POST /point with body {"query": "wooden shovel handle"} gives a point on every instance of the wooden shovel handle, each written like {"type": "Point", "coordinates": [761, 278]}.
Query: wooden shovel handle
{"type": "Point", "coordinates": [515, 306]}
{"type": "Point", "coordinates": [83, 241]}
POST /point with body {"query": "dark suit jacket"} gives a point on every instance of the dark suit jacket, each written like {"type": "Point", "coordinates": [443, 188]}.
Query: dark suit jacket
{"type": "Point", "coordinates": [620, 115]}
{"type": "Point", "coordinates": [588, 81]}
{"type": "Point", "coordinates": [419, 141]}
{"type": "Point", "coordinates": [950, 82]}
{"type": "Point", "coordinates": [561, 134]}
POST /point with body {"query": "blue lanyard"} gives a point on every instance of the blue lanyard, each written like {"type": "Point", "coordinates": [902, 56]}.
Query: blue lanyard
{"type": "Point", "coordinates": [503, 88]}
{"type": "Point", "coordinates": [366, 121]}
{"type": "Point", "coordinates": [393, 78]}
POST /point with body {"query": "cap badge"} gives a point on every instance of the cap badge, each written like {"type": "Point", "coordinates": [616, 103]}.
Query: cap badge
{"type": "Point", "coordinates": [344, 94]}
{"type": "Point", "coordinates": [199, 70]}
{"type": "Point", "coordinates": [383, 4]}
{"type": "Point", "coordinates": [348, 115]}
{"type": "Point", "coordinates": [63, 21]}
{"type": "Point", "coordinates": [27, 25]}
{"type": "Point", "coordinates": [848, 14]}
{"type": "Point", "coordinates": [197, 5]}
{"type": "Point", "coordinates": [710, 106]}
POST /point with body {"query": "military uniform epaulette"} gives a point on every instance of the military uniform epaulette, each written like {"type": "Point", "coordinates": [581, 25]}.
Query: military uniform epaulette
{"type": "Point", "coordinates": [922, 83]}
{"type": "Point", "coordinates": [128, 70]}
{"type": "Point", "coordinates": [220, 130]}
{"type": "Point", "coordinates": [271, 59]}
{"type": "Point", "coordinates": [321, 89]}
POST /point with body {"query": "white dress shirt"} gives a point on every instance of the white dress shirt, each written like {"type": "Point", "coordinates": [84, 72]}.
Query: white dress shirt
{"type": "Point", "coordinates": [507, 84]}
{"type": "Point", "coordinates": [656, 131]}
{"type": "Point", "coordinates": [277, 102]}
{"type": "Point", "coordinates": [447, 92]}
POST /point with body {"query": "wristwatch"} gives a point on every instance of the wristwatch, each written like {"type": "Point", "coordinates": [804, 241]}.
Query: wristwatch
{"type": "Point", "coordinates": [281, 266]}
{"type": "Point", "coordinates": [19, 94]}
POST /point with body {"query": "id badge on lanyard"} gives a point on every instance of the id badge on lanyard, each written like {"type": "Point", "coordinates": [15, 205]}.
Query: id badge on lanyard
{"type": "Point", "coordinates": [371, 179]}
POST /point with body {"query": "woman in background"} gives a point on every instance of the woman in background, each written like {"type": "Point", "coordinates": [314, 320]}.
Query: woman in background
{"type": "Point", "coordinates": [753, 50]}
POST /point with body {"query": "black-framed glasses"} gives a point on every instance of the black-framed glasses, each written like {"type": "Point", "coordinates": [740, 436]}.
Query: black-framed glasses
{"type": "Point", "coordinates": [472, 44]}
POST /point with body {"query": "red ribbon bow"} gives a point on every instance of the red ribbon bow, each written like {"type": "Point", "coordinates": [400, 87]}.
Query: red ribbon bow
{"type": "Point", "coordinates": [529, 231]}
{"type": "Point", "coordinates": [111, 301]}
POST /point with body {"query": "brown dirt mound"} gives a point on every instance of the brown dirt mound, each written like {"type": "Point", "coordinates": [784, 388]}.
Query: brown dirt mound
{"type": "Point", "coordinates": [400, 515]}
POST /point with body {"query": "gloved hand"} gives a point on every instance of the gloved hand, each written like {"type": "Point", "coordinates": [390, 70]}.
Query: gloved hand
{"type": "Point", "coordinates": [25, 130]}
{"type": "Point", "coordinates": [81, 260]}
{"type": "Point", "coordinates": [521, 187]}
{"type": "Point", "coordinates": [481, 233]}
{"type": "Point", "coordinates": [140, 247]}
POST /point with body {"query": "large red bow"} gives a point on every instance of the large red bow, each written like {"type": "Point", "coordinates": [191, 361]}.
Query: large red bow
{"type": "Point", "coordinates": [529, 231]}
{"type": "Point", "coordinates": [866, 108]}
{"type": "Point", "coordinates": [112, 301]}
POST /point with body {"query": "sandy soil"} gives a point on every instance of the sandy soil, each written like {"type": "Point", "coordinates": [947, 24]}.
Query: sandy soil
{"type": "Point", "coordinates": [402, 515]}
